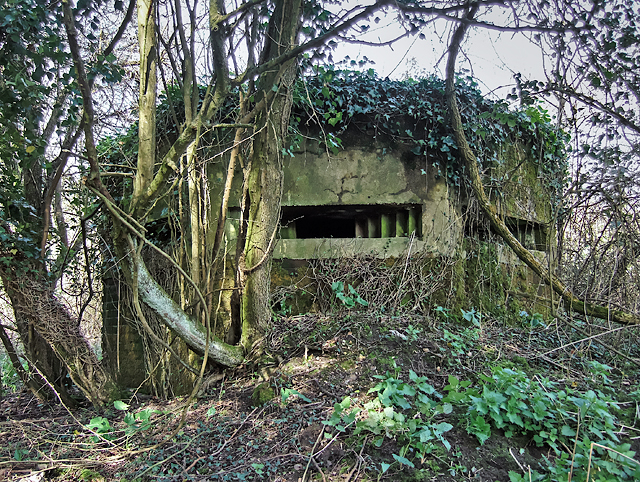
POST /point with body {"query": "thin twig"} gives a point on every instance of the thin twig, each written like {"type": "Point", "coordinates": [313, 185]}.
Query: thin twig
{"type": "Point", "coordinates": [187, 445]}
{"type": "Point", "coordinates": [312, 450]}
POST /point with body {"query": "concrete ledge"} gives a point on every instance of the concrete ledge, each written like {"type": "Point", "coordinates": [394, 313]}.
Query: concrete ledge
{"type": "Point", "coordinates": [341, 247]}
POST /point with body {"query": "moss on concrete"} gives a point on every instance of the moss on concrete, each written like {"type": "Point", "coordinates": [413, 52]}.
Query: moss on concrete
{"type": "Point", "coordinates": [521, 192]}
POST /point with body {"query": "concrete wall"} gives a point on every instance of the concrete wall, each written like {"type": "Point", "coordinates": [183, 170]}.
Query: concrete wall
{"type": "Point", "coordinates": [376, 173]}
{"type": "Point", "coordinates": [121, 343]}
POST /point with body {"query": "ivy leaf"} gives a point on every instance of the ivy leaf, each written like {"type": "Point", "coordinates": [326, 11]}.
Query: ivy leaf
{"type": "Point", "coordinates": [404, 461]}
{"type": "Point", "coordinates": [334, 120]}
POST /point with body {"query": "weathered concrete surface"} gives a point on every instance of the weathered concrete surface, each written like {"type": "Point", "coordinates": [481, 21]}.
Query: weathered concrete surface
{"type": "Point", "coordinates": [355, 176]}
{"type": "Point", "coordinates": [343, 247]}
{"type": "Point", "coordinates": [521, 192]}
{"type": "Point", "coordinates": [371, 174]}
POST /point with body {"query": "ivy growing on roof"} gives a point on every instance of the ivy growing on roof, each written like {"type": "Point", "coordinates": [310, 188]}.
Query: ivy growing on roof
{"type": "Point", "coordinates": [411, 111]}
{"type": "Point", "coordinates": [414, 112]}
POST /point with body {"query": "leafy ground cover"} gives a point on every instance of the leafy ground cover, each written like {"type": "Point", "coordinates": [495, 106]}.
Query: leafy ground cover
{"type": "Point", "coordinates": [350, 396]}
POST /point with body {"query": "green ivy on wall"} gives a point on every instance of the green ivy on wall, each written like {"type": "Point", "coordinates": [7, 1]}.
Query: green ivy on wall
{"type": "Point", "coordinates": [414, 112]}
{"type": "Point", "coordinates": [409, 111]}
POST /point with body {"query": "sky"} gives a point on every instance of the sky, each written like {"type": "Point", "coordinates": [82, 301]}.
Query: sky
{"type": "Point", "coordinates": [491, 57]}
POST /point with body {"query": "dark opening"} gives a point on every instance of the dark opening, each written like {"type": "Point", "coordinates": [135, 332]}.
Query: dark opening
{"type": "Point", "coordinates": [354, 221]}
{"type": "Point", "coordinates": [531, 235]}
{"type": "Point", "coordinates": [325, 226]}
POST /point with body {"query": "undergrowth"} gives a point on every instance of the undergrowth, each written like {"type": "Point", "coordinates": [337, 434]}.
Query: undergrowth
{"type": "Point", "coordinates": [359, 395]}
{"type": "Point", "coordinates": [579, 427]}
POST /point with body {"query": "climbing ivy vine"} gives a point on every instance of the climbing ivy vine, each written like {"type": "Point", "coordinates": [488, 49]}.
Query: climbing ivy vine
{"type": "Point", "coordinates": [414, 112]}
{"type": "Point", "coordinates": [411, 111]}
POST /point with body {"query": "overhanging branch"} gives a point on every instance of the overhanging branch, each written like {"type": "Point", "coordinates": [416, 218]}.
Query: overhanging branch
{"type": "Point", "coordinates": [471, 163]}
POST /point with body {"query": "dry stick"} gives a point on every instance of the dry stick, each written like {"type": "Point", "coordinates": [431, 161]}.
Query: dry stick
{"type": "Point", "coordinates": [334, 439]}
{"type": "Point", "coordinates": [49, 193]}
{"type": "Point", "coordinates": [304, 475]}
{"type": "Point", "coordinates": [517, 461]}
{"type": "Point", "coordinates": [53, 389]}
{"type": "Point", "coordinates": [404, 273]}
{"type": "Point", "coordinates": [593, 444]}
{"type": "Point", "coordinates": [188, 444]}
{"type": "Point", "coordinates": [127, 220]}
{"type": "Point", "coordinates": [17, 366]}
{"type": "Point", "coordinates": [315, 464]}
{"type": "Point", "coordinates": [575, 444]}
{"type": "Point", "coordinates": [192, 465]}
{"type": "Point", "coordinates": [358, 461]}
{"type": "Point", "coordinates": [151, 372]}
{"type": "Point", "coordinates": [606, 345]}
{"type": "Point", "coordinates": [221, 448]}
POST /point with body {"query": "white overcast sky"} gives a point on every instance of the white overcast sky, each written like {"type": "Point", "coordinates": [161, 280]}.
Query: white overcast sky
{"type": "Point", "coordinates": [491, 57]}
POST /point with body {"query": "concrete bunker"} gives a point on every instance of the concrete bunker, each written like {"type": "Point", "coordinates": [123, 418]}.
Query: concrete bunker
{"type": "Point", "coordinates": [382, 195]}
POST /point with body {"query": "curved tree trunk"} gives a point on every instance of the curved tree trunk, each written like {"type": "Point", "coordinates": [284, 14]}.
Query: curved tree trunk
{"type": "Point", "coordinates": [471, 163]}
{"type": "Point", "coordinates": [190, 330]}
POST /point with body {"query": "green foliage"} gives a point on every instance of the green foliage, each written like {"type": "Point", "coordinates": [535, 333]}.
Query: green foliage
{"type": "Point", "coordinates": [30, 55]}
{"type": "Point", "coordinates": [406, 411]}
{"type": "Point", "coordinates": [535, 320]}
{"type": "Point", "coordinates": [510, 401]}
{"type": "Point", "coordinates": [413, 413]}
{"type": "Point", "coordinates": [413, 112]}
{"type": "Point", "coordinates": [91, 475]}
{"type": "Point", "coordinates": [138, 421]}
{"type": "Point", "coordinates": [341, 418]}
{"type": "Point", "coordinates": [599, 371]}
{"type": "Point", "coordinates": [461, 343]}
{"type": "Point", "coordinates": [413, 332]}
{"type": "Point", "coordinates": [135, 422]}
{"type": "Point", "coordinates": [120, 405]}
{"type": "Point", "coordinates": [472, 316]}
{"type": "Point", "coordinates": [604, 462]}
{"type": "Point", "coordinates": [287, 393]}
{"type": "Point", "coordinates": [259, 468]}
{"type": "Point", "coordinates": [10, 378]}
{"type": "Point", "coordinates": [38, 88]}
{"type": "Point", "coordinates": [20, 454]}
{"type": "Point", "coordinates": [102, 427]}
{"type": "Point", "coordinates": [349, 297]}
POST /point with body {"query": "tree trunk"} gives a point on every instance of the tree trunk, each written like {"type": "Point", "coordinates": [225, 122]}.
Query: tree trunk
{"type": "Point", "coordinates": [53, 341]}
{"type": "Point", "coordinates": [471, 164]}
{"type": "Point", "coordinates": [147, 104]}
{"type": "Point", "coordinates": [265, 181]}
{"type": "Point", "coordinates": [39, 354]}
